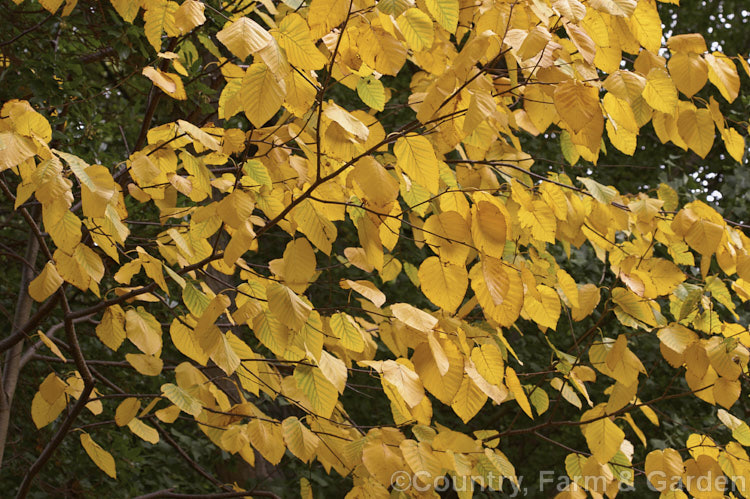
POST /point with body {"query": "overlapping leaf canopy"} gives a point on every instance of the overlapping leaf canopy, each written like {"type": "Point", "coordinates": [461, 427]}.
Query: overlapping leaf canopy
{"type": "Point", "coordinates": [301, 180]}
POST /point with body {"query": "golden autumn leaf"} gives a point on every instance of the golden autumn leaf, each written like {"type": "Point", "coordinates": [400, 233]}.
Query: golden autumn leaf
{"type": "Point", "coordinates": [371, 258]}
{"type": "Point", "coordinates": [101, 457]}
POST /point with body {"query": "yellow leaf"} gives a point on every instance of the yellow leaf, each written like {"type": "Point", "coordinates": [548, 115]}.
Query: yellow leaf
{"type": "Point", "coordinates": [446, 234]}
{"type": "Point", "coordinates": [620, 112]}
{"type": "Point", "coordinates": [182, 399]}
{"type": "Point", "coordinates": [444, 284]}
{"type": "Point", "coordinates": [295, 38]}
{"type": "Point", "coordinates": [101, 457]}
{"type": "Point", "coordinates": [382, 51]}
{"type": "Point", "coordinates": [403, 378]}
{"type": "Point", "coordinates": [51, 5]}
{"type": "Point", "coordinates": [381, 456]}
{"type": "Point", "coordinates": [143, 169]}
{"type": "Point", "coordinates": [625, 85]}
{"type": "Point", "coordinates": [545, 310]}
{"type": "Point", "coordinates": [469, 400]}
{"type": "Point", "coordinates": [422, 460]}
{"type": "Point", "coordinates": [506, 312]}
{"type": "Point", "coordinates": [49, 401]}
{"type": "Point", "coordinates": [589, 296]}
{"type": "Point", "coordinates": [51, 345]}
{"type": "Point", "coordinates": [697, 129]}
{"type": "Point", "coordinates": [324, 15]}
{"type": "Point", "coordinates": [345, 329]}
{"type": "Point", "coordinates": [536, 40]}
{"type": "Point", "coordinates": [16, 149]}
{"type": "Point", "coordinates": [169, 82]}
{"type": "Point", "coordinates": [159, 18]}
{"type": "Point", "coordinates": [647, 25]}
{"type": "Point", "coordinates": [299, 264]}
{"type": "Point", "coordinates": [199, 135]}
{"type": "Point", "coordinates": [346, 120]}
{"type": "Point", "coordinates": [318, 390]}
{"type": "Point", "coordinates": [148, 365]}
{"type": "Point", "coordinates": [393, 7]}
{"type": "Point", "coordinates": [413, 317]}
{"type": "Point", "coordinates": [244, 37]}
{"type": "Point", "coordinates": [46, 283]}
{"type": "Point", "coordinates": [143, 431]}
{"type": "Point", "coordinates": [445, 12]}
{"type": "Point", "coordinates": [540, 219]}
{"type": "Point", "coordinates": [127, 9]}
{"type": "Point", "coordinates": [689, 72]}
{"type": "Point", "coordinates": [334, 370]}
{"type": "Point", "coordinates": [315, 225]}
{"type": "Point", "coordinates": [489, 362]}
{"type": "Point", "coordinates": [64, 231]}
{"type": "Point", "coordinates": [286, 306]}
{"type": "Point", "coordinates": [734, 142]}
{"type": "Point", "coordinates": [514, 385]}
{"type": "Point", "coordinates": [366, 289]}
{"type": "Point", "coordinates": [726, 391]}
{"type": "Point", "coordinates": [489, 228]}
{"type": "Point", "coordinates": [677, 337]}
{"type": "Point", "coordinates": [266, 436]}
{"type": "Point", "coordinates": [704, 237]}
{"type": "Point", "coordinates": [603, 194]}
{"type": "Point", "coordinates": [664, 468]}
{"type": "Point", "coordinates": [623, 8]}
{"type": "Point", "coordinates": [111, 329]}
{"type": "Point", "coordinates": [723, 74]}
{"type": "Point", "coordinates": [89, 262]}
{"type": "Point", "coordinates": [416, 157]}
{"type": "Point", "coordinates": [126, 411]}
{"type": "Point", "coordinates": [299, 439]}
{"type": "Point", "coordinates": [603, 438]}
{"type": "Point", "coordinates": [660, 92]}
{"type": "Point", "coordinates": [572, 9]}
{"type": "Point", "coordinates": [417, 29]}
{"type": "Point", "coordinates": [262, 94]}
{"type": "Point", "coordinates": [143, 330]}
{"type": "Point", "coordinates": [443, 386]}
{"type": "Point", "coordinates": [189, 15]}
{"type": "Point", "coordinates": [704, 470]}
{"type": "Point", "coordinates": [274, 57]}
{"type": "Point", "coordinates": [236, 208]}
{"type": "Point", "coordinates": [224, 355]}
{"type": "Point", "coordinates": [689, 43]}
{"type": "Point", "coordinates": [577, 104]}
{"type": "Point", "coordinates": [230, 100]}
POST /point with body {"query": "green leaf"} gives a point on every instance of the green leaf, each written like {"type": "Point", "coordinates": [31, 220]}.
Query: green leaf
{"type": "Point", "coordinates": [393, 7]}
{"type": "Point", "coordinates": [445, 13]}
{"type": "Point", "coordinates": [601, 193]}
{"type": "Point", "coordinates": [416, 26]}
{"type": "Point", "coordinates": [196, 301]}
{"type": "Point", "coordinates": [539, 400]}
{"type": "Point", "coordinates": [318, 390]}
{"type": "Point", "coordinates": [257, 172]}
{"type": "Point", "coordinates": [343, 327]}
{"type": "Point", "coordinates": [371, 92]}
{"type": "Point", "coordinates": [181, 399]}
{"type": "Point", "coordinates": [569, 150]}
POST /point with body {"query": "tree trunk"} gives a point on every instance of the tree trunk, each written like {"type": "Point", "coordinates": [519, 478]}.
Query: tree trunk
{"type": "Point", "coordinates": [11, 363]}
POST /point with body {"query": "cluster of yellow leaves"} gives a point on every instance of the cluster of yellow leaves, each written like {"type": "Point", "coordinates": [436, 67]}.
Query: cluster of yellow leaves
{"type": "Point", "coordinates": [487, 225]}
{"type": "Point", "coordinates": [44, 173]}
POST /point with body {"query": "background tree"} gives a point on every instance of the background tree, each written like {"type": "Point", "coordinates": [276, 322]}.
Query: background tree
{"type": "Point", "coordinates": [362, 238]}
